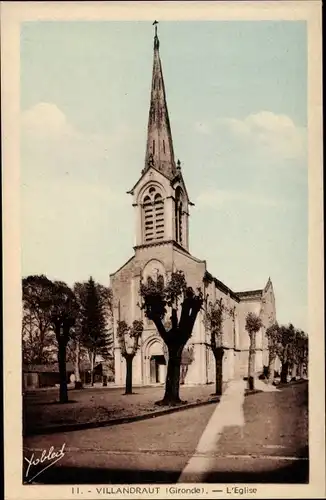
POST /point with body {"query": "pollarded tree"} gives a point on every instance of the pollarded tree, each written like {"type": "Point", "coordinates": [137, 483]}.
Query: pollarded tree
{"type": "Point", "coordinates": [214, 318]}
{"type": "Point", "coordinates": [63, 313]}
{"type": "Point", "coordinates": [253, 325]}
{"type": "Point", "coordinates": [128, 338]}
{"type": "Point", "coordinates": [285, 349]}
{"type": "Point", "coordinates": [274, 338]}
{"type": "Point", "coordinates": [183, 304]}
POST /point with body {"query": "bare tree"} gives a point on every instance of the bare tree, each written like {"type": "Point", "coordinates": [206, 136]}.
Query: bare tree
{"type": "Point", "coordinates": [38, 340]}
{"type": "Point", "coordinates": [129, 335]}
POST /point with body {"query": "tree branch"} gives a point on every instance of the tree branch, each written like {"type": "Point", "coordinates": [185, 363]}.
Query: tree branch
{"type": "Point", "coordinates": [160, 327]}
{"type": "Point", "coordinates": [185, 312]}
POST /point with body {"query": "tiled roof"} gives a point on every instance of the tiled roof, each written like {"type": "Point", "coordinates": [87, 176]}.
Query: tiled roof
{"type": "Point", "coordinates": [54, 367]}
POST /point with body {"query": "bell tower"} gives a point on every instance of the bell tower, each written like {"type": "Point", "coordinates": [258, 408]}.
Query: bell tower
{"type": "Point", "coordinates": [160, 197]}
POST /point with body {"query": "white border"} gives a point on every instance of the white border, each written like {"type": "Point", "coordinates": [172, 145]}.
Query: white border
{"type": "Point", "coordinates": [12, 14]}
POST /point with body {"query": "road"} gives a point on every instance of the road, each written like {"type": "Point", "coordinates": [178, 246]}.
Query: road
{"type": "Point", "coordinates": [271, 447]}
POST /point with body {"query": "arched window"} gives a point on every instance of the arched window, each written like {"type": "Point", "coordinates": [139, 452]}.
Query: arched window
{"type": "Point", "coordinates": [159, 216]}
{"type": "Point", "coordinates": [153, 215]}
{"type": "Point", "coordinates": [180, 222]}
{"type": "Point", "coordinates": [178, 215]}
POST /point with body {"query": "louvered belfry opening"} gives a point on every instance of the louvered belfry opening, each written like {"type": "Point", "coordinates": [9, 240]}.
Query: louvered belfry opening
{"type": "Point", "coordinates": [153, 215]}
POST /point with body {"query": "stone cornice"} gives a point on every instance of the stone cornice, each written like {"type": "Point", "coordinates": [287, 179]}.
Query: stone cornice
{"type": "Point", "coordinates": [161, 243]}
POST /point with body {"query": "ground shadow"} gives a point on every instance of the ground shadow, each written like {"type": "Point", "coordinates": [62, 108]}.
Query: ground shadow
{"type": "Point", "coordinates": [295, 473]}
{"type": "Point", "coordinates": [57, 402]}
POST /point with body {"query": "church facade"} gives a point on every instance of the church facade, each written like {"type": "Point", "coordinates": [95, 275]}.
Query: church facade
{"type": "Point", "coordinates": [161, 205]}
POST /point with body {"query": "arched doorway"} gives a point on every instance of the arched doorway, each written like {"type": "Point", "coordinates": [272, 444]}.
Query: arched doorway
{"type": "Point", "coordinates": [157, 369]}
{"type": "Point", "coordinates": [155, 363]}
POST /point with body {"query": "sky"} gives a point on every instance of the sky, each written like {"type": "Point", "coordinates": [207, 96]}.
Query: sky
{"type": "Point", "coordinates": [237, 101]}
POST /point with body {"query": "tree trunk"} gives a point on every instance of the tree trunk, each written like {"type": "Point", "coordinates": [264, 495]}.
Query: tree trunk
{"type": "Point", "coordinates": [78, 383]}
{"type": "Point", "coordinates": [172, 385]}
{"type": "Point", "coordinates": [300, 370]}
{"type": "Point", "coordinates": [294, 371]}
{"type": "Point", "coordinates": [92, 356]}
{"type": "Point", "coordinates": [129, 360]}
{"type": "Point", "coordinates": [271, 368]}
{"type": "Point", "coordinates": [218, 355]}
{"type": "Point", "coordinates": [104, 376]}
{"type": "Point", "coordinates": [252, 361]}
{"type": "Point", "coordinates": [284, 372]}
{"type": "Point", "coordinates": [62, 372]}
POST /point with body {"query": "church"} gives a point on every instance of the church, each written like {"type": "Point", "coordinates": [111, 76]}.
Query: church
{"type": "Point", "coordinates": [161, 206]}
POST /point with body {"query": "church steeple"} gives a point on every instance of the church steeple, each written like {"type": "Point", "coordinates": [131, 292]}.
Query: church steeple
{"type": "Point", "coordinates": [160, 197]}
{"type": "Point", "coordinates": [159, 149]}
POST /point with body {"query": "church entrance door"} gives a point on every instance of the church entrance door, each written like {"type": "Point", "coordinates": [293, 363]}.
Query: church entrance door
{"type": "Point", "coordinates": [157, 369]}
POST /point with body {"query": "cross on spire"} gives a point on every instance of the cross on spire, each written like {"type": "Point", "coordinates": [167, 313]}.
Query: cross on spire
{"type": "Point", "coordinates": [155, 23]}
{"type": "Point", "coordinates": [156, 41]}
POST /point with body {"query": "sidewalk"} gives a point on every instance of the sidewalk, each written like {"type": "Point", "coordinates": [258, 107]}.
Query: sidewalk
{"type": "Point", "coordinates": [248, 439]}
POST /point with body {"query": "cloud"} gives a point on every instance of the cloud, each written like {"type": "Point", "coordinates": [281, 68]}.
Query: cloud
{"type": "Point", "coordinates": [52, 148]}
{"type": "Point", "coordinates": [270, 133]}
{"type": "Point", "coordinates": [215, 198]}
{"type": "Point", "coordinates": [69, 192]}
{"type": "Point", "coordinates": [46, 120]}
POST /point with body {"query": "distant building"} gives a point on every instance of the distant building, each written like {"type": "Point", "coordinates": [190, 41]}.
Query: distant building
{"type": "Point", "coordinates": [47, 375]}
{"type": "Point", "coordinates": [161, 204]}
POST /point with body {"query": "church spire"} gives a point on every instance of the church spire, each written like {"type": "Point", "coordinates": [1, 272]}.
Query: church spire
{"type": "Point", "coordinates": [159, 150]}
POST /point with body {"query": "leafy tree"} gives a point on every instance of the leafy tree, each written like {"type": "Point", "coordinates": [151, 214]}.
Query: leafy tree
{"type": "Point", "coordinates": [214, 318]}
{"type": "Point", "coordinates": [127, 335]}
{"type": "Point", "coordinates": [106, 351]}
{"type": "Point", "coordinates": [285, 349]}
{"type": "Point", "coordinates": [298, 353]}
{"type": "Point", "coordinates": [302, 345]}
{"type": "Point", "coordinates": [183, 304]}
{"type": "Point", "coordinates": [37, 335]}
{"type": "Point", "coordinates": [63, 312]}
{"type": "Point", "coordinates": [253, 325]}
{"type": "Point", "coordinates": [94, 331]}
{"type": "Point", "coordinates": [274, 338]}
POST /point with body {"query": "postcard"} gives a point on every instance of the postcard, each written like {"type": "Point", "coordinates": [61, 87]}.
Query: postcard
{"type": "Point", "coordinates": [163, 250]}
